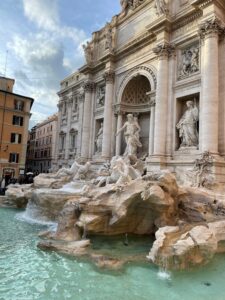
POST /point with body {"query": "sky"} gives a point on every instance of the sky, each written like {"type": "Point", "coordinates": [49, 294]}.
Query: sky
{"type": "Point", "coordinates": [41, 43]}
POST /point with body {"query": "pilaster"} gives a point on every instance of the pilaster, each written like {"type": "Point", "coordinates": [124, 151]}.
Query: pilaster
{"type": "Point", "coordinates": [108, 114]}
{"type": "Point", "coordinates": [88, 89]}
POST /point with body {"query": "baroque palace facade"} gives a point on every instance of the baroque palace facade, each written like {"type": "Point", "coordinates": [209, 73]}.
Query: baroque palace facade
{"type": "Point", "coordinates": [164, 63]}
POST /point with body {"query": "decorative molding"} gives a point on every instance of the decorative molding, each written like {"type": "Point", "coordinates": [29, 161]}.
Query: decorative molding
{"type": "Point", "coordinates": [211, 27]}
{"type": "Point", "coordinates": [152, 102]}
{"type": "Point", "coordinates": [164, 50]}
{"type": "Point", "coordinates": [109, 77]}
{"type": "Point", "coordinates": [89, 86]}
{"type": "Point", "coordinates": [140, 68]}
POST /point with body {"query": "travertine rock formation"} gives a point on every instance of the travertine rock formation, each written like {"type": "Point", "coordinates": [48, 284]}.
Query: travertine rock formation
{"type": "Point", "coordinates": [19, 195]}
{"type": "Point", "coordinates": [184, 247]}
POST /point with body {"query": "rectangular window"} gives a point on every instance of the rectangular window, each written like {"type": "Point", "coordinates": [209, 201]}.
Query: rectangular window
{"type": "Point", "coordinates": [16, 138]}
{"type": "Point", "coordinates": [62, 142]}
{"type": "Point", "coordinates": [17, 120]}
{"type": "Point", "coordinates": [14, 157]}
{"type": "Point", "coordinates": [18, 105]}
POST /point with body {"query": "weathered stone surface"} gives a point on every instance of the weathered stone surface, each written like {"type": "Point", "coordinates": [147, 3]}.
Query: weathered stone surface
{"type": "Point", "coordinates": [19, 195]}
{"type": "Point", "coordinates": [76, 248]}
{"type": "Point", "coordinates": [49, 203]}
{"type": "Point", "coordinates": [183, 248]}
{"type": "Point", "coordinates": [133, 208]}
{"type": "Point", "coordinates": [47, 181]}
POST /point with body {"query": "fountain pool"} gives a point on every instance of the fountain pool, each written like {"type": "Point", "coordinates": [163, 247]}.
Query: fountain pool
{"type": "Point", "coordinates": [27, 273]}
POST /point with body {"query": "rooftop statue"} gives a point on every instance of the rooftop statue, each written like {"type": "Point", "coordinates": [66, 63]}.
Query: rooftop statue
{"type": "Point", "coordinates": [161, 7]}
{"type": "Point", "coordinates": [88, 51]}
{"type": "Point", "coordinates": [129, 4]}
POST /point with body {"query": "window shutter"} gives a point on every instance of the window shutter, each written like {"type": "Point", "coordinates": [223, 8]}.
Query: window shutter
{"type": "Point", "coordinates": [14, 120]}
{"type": "Point", "coordinates": [20, 138]}
{"type": "Point", "coordinates": [21, 121]}
{"type": "Point", "coordinates": [17, 158]}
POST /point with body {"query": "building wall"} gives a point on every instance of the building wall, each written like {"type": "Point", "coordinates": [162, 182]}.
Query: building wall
{"type": "Point", "coordinates": [155, 45]}
{"type": "Point", "coordinates": [41, 147]}
{"type": "Point", "coordinates": [8, 109]}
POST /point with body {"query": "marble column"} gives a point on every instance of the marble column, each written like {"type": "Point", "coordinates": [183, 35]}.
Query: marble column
{"type": "Point", "coordinates": [60, 107]}
{"type": "Point", "coordinates": [209, 33]}
{"type": "Point", "coordinates": [163, 51]}
{"type": "Point", "coordinates": [85, 144]}
{"type": "Point", "coordinates": [119, 136]}
{"type": "Point", "coordinates": [69, 116]}
{"type": "Point", "coordinates": [108, 115]}
{"type": "Point", "coordinates": [81, 113]}
{"type": "Point", "coordinates": [152, 126]}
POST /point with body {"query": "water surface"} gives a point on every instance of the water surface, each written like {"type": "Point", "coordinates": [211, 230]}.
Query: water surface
{"type": "Point", "coordinates": [27, 273]}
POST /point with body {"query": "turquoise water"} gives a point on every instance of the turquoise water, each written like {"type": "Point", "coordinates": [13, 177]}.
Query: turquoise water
{"type": "Point", "coordinates": [27, 273]}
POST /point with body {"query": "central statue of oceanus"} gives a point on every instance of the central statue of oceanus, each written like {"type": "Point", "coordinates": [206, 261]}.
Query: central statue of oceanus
{"type": "Point", "coordinates": [131, 134]}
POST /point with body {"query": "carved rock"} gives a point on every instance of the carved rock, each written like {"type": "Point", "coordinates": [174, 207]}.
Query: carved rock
{"type": "Point", "coordinates": [19, 195]}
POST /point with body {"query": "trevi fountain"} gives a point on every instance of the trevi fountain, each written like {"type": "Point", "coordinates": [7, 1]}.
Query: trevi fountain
{"type": "Point", "coordinates": [146, 221]}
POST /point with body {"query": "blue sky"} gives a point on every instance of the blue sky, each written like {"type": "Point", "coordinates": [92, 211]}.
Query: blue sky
{"type": "Point", "coordinates": [43, 39]}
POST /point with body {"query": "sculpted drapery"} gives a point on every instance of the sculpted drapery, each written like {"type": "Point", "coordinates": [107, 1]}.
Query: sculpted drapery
{"type": "Point", "coordinates": [187, 126]}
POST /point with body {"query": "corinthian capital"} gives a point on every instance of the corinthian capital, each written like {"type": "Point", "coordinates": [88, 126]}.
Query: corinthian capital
{"type": "Point", "coordinates": [89, 86]}
{"type": "Point", "coordinates": [109, 76]}
{"type": "Point", "coordinates": [209, 27]}
{"type": "Point", "coordinates": [164, 50]}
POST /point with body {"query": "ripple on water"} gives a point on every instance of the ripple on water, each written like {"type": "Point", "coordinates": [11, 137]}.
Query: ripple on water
{"type": "Point", "coordinates": [27, 273]}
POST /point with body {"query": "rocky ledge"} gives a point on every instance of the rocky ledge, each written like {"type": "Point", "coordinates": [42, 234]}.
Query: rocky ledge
{"type": "Point", "coordinates": [188, 223]}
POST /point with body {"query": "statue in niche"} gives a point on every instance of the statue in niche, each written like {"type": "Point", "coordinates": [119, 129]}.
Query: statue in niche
{"type": "Point", "coordinates": [99, 138]}
{"type": "Point", "coordinates": [190, 62]}
{"type": "Point", "coordinates": [187, 126]}
{"type": "Point", "coordinates": [101, 96]}
{"type": "Point", "coordinates": [161, 7]}
{"type": "Point", "coordinates": [88, 51]}
{"type": "Point", "coordinates": [131, 134]}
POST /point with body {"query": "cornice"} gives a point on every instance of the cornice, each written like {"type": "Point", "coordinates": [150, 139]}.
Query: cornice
{"type": "Point", "coordinates": [204, 3]}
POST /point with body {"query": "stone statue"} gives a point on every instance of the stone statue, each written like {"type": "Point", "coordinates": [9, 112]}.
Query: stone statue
{"type": "Point", "coordinates": [88, 51]}
{"type": "Point", "coordinates": [110, 37]}
{"type": "Point", "coordinates": [131, 135]}
{"type": "Point", "coordinates": [99, 138]}
{"type": "Point", "coordinates": [82, 171]}
{"type": "Point", "coordinates": [187, 126]}
{"type": "Point", "coordinates": [101, 96]}
{"type": "Point", "coordinates": [125, 4]}
{"type": "Point", "coordinates": [202, 169]}
{"type": "Point", "coordinates": [161, 7]}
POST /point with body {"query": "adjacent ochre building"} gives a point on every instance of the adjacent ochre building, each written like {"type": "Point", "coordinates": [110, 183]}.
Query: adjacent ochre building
{"type": "Point", "coordinates": [163, 62]}
{"type": "Point", "coordinates": [14, 121]}
{"type": "Point", "coordinates": [42, 146]}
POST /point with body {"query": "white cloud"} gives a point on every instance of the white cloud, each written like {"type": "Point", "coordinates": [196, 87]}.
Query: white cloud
{"type": "Point", "coordinates": [46, 57]}
{"type": "Point", "coordinates": [42, 12]}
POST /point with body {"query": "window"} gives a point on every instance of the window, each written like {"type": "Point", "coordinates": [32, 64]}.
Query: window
{"type": "Point", "coordinates": [64, 108]}
{"type": "Point", "coordinates": [62, 141]}
{"type": "Point", "coordinates": [75, 104]}
{"type": "Point", "coordinates": [14, 157]}
{"type": "Point", "coordinates": [17, 120]}
{"type": "Point", "coordinates": [16, 138]}
{"type": "Point", "coordinates": [73, 139]}
{"type": "Point", "coordinates": [18, 105]}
